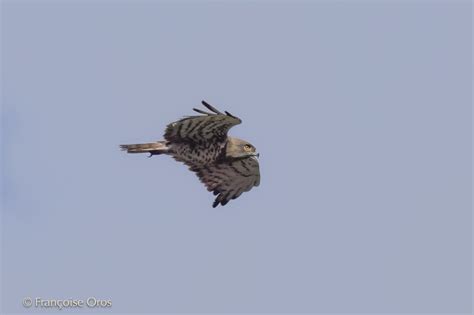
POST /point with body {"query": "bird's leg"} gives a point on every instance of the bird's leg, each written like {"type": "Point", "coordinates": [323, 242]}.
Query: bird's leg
{"type": "Point", "coordinates": [153, 153]}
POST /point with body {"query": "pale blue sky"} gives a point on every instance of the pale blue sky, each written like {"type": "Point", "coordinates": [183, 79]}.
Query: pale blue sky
{"type": "Point", "coordinates": [361, 111]}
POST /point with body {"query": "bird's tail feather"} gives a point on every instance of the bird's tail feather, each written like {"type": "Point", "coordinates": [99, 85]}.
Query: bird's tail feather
{"type": "Point", "coordinates": [153, 148]}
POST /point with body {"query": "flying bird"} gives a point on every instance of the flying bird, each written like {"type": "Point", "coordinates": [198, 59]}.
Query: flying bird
{"type": "Point", "coordinates": [227, 166]}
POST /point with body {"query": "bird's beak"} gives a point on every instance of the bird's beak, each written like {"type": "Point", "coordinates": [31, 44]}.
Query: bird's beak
{"type": "Point", "coordinates": [256, 154]}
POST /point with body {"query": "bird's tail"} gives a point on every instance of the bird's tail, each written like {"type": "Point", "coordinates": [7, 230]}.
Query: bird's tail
{"type": "Point", "coordinates": [153, 148]}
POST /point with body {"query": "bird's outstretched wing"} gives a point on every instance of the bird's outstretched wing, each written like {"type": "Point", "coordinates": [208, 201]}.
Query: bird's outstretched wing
{"type": "Point", "coordinates": [228, 180]}
{"type": "Point", "coordinates": [210, 127]}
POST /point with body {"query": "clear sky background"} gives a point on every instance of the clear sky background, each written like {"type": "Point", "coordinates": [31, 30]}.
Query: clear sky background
{"type": "Point", "coordinates": [361, 111]}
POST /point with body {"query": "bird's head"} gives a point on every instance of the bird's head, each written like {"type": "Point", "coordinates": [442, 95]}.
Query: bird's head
{"type": "Point", "coordinates": [238, 148]}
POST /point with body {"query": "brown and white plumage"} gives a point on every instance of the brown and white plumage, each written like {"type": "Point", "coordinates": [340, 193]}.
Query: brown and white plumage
{"type": "Point", "coordinates": [229, 180]}
{"type": "Point", "coordinates": [227, 166]}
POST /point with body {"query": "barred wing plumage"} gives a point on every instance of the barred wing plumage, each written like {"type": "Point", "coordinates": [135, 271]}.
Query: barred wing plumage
{"type": "Point", "coordinates": [229, 180]}
{"type": "Point", "coordinates": [209, 127]}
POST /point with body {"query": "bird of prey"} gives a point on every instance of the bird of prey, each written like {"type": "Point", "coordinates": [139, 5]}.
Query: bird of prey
{"type": "Point", "coordinates": [227, 166]}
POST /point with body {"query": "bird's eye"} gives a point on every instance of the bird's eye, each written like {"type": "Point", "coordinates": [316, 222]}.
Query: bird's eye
{"type": "Point", "coordinates": [247, 147]}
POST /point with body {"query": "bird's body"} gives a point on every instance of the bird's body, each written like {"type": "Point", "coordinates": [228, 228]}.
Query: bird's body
{"type": "Point", "coordinates": [227, 166]}
{"type": "Point", "coordinates": [192, 154]}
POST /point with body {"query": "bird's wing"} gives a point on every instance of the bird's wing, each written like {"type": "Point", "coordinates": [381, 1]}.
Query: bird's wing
{"type": "Point", "coordinates": [228, 180]}
{"type": "Point", "coordinates": [209, 127]}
